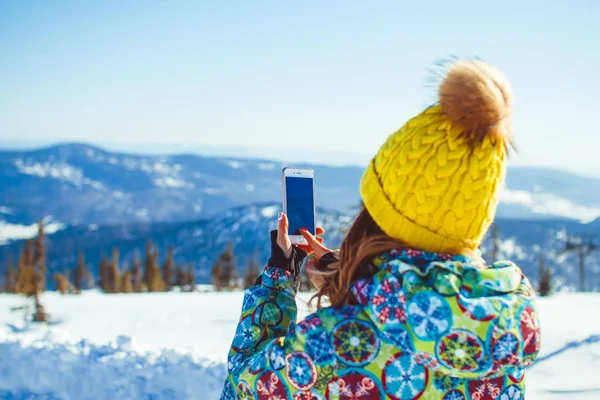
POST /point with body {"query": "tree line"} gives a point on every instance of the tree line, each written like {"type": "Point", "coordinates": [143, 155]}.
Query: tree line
{"type": "Point", "coordinates": [29, 275]}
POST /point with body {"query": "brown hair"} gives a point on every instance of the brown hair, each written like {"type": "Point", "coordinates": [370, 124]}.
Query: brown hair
{"type": "Point", "coordinates": [364, 241]}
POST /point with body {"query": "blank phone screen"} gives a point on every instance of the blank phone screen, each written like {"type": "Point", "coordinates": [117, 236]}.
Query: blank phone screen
{"type": "Point", "coordinates": [300, 204]}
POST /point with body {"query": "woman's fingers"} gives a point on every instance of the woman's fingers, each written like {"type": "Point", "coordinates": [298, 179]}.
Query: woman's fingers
{"type": "Point", "coordinates": [306, 248]}
{"type": "Point", "coordinates": [320, 231]}
{"type": "Point", "coordinates": [315, 244]}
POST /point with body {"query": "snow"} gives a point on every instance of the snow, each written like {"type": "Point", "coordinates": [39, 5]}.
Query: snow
{"type": "Point", "coordinates": [270, 211]}
{"type": "Point", "coordinates": [92, 183]}
{"type": "Point", "coordinates": [130, 164]}
{"type": "Point", "coordinates": [510, 249]}
{"type": "Point", "coordinates": [171, 182]}
{"type": "Point", "coordinates": [234, 164]}
{"type": "Point", "coordinates": [549, 204]}
{"type": "Point", "coordinates": [174, 346]}
{"type": "Point", "coordinates": [6, 210]}
{"type": "Point", "coordinates": [60, 171]}
{"type": "Point", "coordinates": [17, 232]}
{"type": "Point", "coordinates": [142, 213]}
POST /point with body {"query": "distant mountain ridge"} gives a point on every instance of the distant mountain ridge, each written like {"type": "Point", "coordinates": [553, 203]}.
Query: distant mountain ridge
{"type": "Point", "coordinates": [77, 184]}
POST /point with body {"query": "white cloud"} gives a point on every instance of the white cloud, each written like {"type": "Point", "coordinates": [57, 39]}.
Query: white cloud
{"type": "Point", "coordinates": [549, 204]}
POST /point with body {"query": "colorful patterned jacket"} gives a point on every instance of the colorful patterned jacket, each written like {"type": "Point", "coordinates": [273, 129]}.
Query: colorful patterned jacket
{"type": "Point", "coordinates": [428, 326]}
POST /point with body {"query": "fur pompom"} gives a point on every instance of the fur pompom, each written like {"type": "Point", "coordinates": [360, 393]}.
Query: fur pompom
{"type": "Point", "coordinates": [477, 97]}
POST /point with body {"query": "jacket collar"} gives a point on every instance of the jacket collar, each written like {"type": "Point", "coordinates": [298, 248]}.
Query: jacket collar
{"type": "Point", "coordinates": [446, 274]}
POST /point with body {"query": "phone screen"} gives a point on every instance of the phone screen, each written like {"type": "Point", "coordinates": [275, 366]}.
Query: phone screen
{"type": "Point", "coordinates": [300, 204]}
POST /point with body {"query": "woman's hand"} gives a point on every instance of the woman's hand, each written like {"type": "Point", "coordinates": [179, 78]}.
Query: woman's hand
{"type": "Point", "coordinates": [315, 244]}
{"type": "Point", "coordinates": [283, 254]}
{"type": "Point", "coordinates": [323, 256]}
{"type": "Point", "coordinates": [283, 239]}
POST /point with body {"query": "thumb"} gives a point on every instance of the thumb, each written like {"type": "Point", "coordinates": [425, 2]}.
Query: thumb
{"type": "Point", "coordinates": [282, 236]}
{"type": "Point", "coordinates": [283, 224]}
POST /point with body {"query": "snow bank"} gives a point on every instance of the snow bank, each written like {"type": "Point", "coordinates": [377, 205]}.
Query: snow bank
{"type": "Point", "coordinates": [81, 370]}
{"type": "Point", "coordinates": [181, 342]}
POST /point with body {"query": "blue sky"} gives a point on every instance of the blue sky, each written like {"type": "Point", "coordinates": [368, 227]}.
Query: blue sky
{"type": "Point", "coordinates": [317, 80]}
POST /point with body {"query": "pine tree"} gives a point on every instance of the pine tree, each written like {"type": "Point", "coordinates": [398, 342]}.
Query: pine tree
{"type": "Point", "coordinates": [545, 279]}
{"type": "Point", "coordinates": [28, 253]}
{"type": "Point", "coordinates": [80, 273]}
{"type": "Point", "coordinates": [113, 273]}
{"type": "Point", "coordinates": [191, 278]}
{"type": "Point", "coordinates": [217, 273]}
{"type": "Point", "coordinates": [148, 271]}
{"type": "Point", "coordinates": [125, 281]}
{"type": "Point", "coordinates": [62, 282]}
{"type": "Point", "coordinates": [25, 281]}
{"type": "Point", "coordinates": [39, 259]}
{"type": "Point", "coordinates": [152, 275]}
{"type": "Point", "coordinates": [252, 271]}
{"type": "Point", "coordinates": [168, 269]}
{"type": "Point", "coordinates": [137, 272]}
{"type": "Point", "coordinates": [40, 314]}
{"type": "Point", "coordinates": [180, 276]}
{"type": "Point", "coordinates": [229, 275]}
{"type": "Point", "coordinates": [103, 273]}
{"type": "Point", "coordinates": [9, 277]}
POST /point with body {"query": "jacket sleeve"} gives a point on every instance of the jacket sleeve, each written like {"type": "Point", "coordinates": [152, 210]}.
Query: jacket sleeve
{"type": "Point", "coordinates": [265, 335]}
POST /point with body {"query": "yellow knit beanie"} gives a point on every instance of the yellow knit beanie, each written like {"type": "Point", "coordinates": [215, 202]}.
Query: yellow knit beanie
{"type": "Point", "coordinates": [434, 184]}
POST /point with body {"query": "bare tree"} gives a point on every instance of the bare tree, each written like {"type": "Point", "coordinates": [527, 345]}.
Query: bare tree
{"type": "Point", "coordinates": [168, 270]}
{"type": "Point", "coordinates": [80, 273]}
{"type": "Point", "coordinates": [9, 277]}
{"type": "Point", "coordinates": [582, 245]}
{"type": "Point", "coordinates": [495, 243]}
{"type": "Point", "coordinates": [545, 279]}
{"type": "Point", "coordinates": [137, 273]}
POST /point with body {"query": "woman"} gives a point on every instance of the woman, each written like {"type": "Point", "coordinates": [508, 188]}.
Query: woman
{"type": "Point", "coordinates": [414, 310]}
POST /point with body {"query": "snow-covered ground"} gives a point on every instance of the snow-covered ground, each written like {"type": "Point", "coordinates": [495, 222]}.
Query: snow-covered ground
{"type": "Point", "coordinates": [173, 346]}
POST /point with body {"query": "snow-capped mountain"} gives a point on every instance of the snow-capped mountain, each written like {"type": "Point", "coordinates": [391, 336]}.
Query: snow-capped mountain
{"type": "Point", "coordinates": [247, 229]}
{"type": "Point", "coordinates": [80, 184]}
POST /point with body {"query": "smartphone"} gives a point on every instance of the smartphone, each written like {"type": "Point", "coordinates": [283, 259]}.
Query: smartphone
{"type": "Point", "coordinates": [299, 201]}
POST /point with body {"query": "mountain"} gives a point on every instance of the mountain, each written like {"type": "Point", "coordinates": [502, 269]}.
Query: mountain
{"type": "Point", "coordinates": [247, 229]}
{"type": "Point", "coordinates": [75, 184]}
{"type": "Point", "coordinates": [81, 184]}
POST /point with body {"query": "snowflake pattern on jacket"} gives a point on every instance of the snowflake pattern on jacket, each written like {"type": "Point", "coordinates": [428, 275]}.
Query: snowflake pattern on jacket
{"type": "Point", "coordinates": [427, 326]}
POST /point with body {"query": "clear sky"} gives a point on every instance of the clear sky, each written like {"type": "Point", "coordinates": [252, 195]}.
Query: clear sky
{"type": "Point", "coordinates": [304, 79]}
